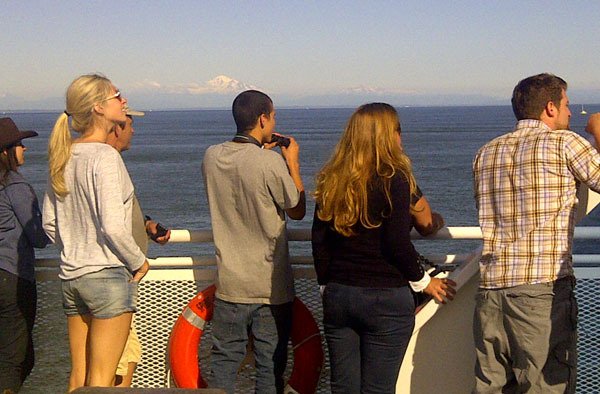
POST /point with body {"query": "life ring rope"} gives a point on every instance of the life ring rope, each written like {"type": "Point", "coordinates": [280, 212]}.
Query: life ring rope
{"type": "Point", "coordinates": [316, 334]}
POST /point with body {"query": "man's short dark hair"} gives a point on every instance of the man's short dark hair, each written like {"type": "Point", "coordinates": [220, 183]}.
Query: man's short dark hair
{"type": "Point", "coordinates": [531, 95]}
{"type": "Point", "coordinates": [248, 106]}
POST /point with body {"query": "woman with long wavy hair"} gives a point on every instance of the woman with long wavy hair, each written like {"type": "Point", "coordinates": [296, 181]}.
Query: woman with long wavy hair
{"type": "Point", "coordinates": [363, 254]}
{"type": "Point", "coordinates": [87, 213]}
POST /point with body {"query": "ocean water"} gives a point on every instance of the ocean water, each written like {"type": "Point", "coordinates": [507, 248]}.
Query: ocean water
{"type": "Point", "coordinates": [168, 146]}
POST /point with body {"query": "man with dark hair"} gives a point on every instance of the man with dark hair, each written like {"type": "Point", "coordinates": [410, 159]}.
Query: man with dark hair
{"type": "Point", "coordinates": [247, 107]}
{"type": "Point", "coordinates": [525, 189]}
{"type": "Point", "coordinates": [531, 95]}
{"type": "Point", "coordinates": [250, 190]}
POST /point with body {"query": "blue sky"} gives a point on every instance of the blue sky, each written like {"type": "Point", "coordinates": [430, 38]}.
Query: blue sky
{"type": "Point", "coordinates": [167, 54]}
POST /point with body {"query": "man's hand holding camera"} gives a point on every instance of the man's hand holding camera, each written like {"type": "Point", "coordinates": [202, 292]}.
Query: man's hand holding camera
{"type": "Point", "coordinates": [290, 150]}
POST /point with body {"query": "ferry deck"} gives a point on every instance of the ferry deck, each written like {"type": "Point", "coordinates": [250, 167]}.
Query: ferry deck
{"type": "Point", "coordinates": [440, 357]}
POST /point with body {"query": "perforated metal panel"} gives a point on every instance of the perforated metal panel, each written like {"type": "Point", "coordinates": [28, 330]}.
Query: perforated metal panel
{"type": "Point", "coordinates": [588, 346]}
{"type": "Point", "coordinates": [159, 305]}
{"type": "Point", "coordinates": [161, 302]}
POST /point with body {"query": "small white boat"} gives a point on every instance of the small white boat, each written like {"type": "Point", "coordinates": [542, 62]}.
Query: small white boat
{"type": "Point", "coordinates": [583, 111]}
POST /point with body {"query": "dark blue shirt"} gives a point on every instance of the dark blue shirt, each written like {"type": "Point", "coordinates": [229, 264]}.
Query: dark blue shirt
{"type": "Point", "coordinates": [378, 257]}
{"type": "Point", "coordinates": [20, 227]}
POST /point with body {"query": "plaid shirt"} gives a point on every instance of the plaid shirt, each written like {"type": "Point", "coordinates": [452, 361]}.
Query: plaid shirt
{"type": "Point", "coordinates": [525, 188]}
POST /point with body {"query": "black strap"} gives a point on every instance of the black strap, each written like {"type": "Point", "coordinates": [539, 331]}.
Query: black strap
{"type": "Point", "coordinates": [246, 139]}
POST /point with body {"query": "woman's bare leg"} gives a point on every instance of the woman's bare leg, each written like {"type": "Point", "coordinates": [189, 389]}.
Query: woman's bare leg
{"type": "Point", "coordinates": [107, 339]}
{"type": "Point", "coordinates": [78, 327]}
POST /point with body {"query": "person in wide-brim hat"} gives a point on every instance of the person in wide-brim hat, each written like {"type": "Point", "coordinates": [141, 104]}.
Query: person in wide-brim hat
{"type": "Point", "coordinates": [10, 134]}
{"type": "Point", "coordinates": [21, 232]}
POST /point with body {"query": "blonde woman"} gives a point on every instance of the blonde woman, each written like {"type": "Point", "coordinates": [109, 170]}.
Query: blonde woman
{"type": "Point", "coordinates": [363, 254]}
{"type": "Point", "coordinates": [87, 213]}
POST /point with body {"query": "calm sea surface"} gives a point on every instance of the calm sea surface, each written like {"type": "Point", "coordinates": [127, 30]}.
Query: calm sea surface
{"type": "Point", "coordinates": [168, 147]}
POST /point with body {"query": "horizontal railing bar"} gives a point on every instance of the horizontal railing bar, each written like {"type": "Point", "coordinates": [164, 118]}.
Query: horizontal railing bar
{"type": "Point", "coordinates": [592, 232]}
{"type": "Point", "coordinates": [194, 236]}
{"type": "Point", "coordinates": [579, 260]}
{"type": "Point", "coordinates": [179, 261]}
{"type": "Point", "coordinates": [586, 259]}
{"type": "Point", "coordinates": [210, 260]}
{"type": "Point", "coordinates": [303, 234]}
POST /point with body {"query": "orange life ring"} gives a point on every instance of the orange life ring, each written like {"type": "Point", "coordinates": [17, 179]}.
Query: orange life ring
{"type": "Point", "coordinates": [185, 338]}
{"type": "Point", "coordinates": [187, 332]}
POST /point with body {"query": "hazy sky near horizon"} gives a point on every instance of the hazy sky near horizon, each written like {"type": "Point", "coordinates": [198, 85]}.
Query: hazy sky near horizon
{"type": "Point", "coordinates": [296, 49]}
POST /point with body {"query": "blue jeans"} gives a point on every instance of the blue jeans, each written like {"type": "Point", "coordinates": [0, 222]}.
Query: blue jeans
{"type": "Point", "coordinates": [18, 299]}
{"type": "Point", "coordinates": [367, 332]}
{"type": "Point", "coordinates": [269, 324]}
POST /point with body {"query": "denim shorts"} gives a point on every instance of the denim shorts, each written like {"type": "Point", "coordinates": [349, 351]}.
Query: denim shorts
{"type": "Point", "coordinates": [103, 294]}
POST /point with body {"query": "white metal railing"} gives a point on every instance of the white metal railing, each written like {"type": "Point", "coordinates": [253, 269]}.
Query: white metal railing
{"type": "Point", "coordinates": [303, 235]}
{"type": "Point", "coordinates": [173, 281]}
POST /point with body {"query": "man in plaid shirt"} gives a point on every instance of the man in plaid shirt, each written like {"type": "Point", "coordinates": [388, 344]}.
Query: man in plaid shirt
{"type": "Point", "coordinates": [525, 323]}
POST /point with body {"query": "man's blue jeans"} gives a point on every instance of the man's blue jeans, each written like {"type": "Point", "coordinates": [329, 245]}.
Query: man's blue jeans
{"type": "Point", "coordinates": [367, 332]}
{"type": "Point", "coordinates": [269, 324]}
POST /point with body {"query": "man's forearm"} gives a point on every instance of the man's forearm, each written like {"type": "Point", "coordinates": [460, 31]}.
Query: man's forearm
{"type": "Point", "coordinates": [297, 212]}
{"type": "Point", "coordinates": [294, 169]}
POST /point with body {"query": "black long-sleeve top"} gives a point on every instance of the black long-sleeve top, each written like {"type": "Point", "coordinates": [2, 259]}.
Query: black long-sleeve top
{"type": "Point", "coordinates": [378, 257]}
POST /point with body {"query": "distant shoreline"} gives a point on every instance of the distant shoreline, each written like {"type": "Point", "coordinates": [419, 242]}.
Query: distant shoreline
{"type": "Point", "coordinates": [299, 107]}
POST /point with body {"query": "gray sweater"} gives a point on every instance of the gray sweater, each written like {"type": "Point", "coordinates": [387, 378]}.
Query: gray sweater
{"type": "Point", "coordinates": [20, 227]}
{"type": "Point", "coordinates": [91, 225]}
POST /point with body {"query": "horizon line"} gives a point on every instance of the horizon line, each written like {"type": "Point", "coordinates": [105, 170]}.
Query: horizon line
{"type": "Point", "coordinates": [173, 109]}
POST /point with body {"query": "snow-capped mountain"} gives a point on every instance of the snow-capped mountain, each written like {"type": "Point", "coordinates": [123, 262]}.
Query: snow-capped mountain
{"type": "Point", "coordinates": [225, 84]}
{"type": "Point", "coordinates": [363, 90]}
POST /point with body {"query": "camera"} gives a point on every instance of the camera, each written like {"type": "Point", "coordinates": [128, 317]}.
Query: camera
{"type": "Point", "coordinates": [160, 232]}
{"type": "Point", "coordinates": [280, 140]}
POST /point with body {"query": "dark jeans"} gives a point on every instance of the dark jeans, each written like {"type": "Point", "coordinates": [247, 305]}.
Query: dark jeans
{"type": "Point", "coordinates": [269, 324]}
{"type": "Point", "coordinates": [367, 332]}
{"type": "Point", "coordinates": [18, 299]}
